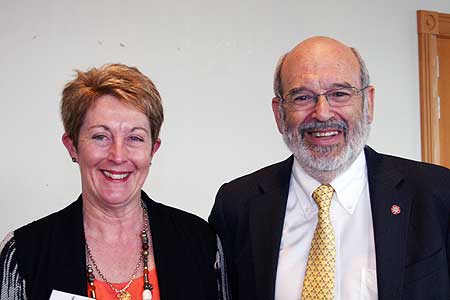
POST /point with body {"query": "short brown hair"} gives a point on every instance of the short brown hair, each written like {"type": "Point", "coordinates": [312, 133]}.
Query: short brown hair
{"type": "Point", "coordinates": [126, 83]}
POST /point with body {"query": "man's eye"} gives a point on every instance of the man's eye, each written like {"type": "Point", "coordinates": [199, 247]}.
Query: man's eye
{"type": "Point", "coordinates": [302, 98]}
{"type": "Point", "coordinates": [339, 94]}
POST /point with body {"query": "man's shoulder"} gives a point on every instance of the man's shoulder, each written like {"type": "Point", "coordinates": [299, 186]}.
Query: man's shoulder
{"type": "Point", "coordinates": [265, 178]}
{"type": "Point", "coordinates": [417, 171]}
{"type": "Point", "coordinates": [233, 198]}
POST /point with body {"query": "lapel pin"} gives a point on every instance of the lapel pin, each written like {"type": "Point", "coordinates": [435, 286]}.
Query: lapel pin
{"type": "Point", "coordinates": [395, 209]}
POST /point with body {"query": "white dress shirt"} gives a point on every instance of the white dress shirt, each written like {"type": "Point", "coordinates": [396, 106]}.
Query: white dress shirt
{"type": "Point", "coordinates": [351, 217]}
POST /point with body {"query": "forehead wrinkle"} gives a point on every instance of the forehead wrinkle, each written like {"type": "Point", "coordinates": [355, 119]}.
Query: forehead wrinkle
{"type": "Point", "coordinates": [319, 82]}
{"type": "Point", "coordinates": [115, 119]}
{"type": "Point", "coordinates": [329, 60]}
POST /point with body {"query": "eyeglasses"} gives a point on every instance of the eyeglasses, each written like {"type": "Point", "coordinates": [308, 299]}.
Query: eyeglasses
{"type": "Point", "coordinates": [302, 99]}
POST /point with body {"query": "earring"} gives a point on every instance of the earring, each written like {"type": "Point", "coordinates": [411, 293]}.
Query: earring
{"type": "Point", "coordinates": [74, 159]}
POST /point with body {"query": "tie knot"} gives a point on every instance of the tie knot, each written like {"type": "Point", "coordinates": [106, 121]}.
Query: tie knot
{"type": "Point", "coordinates": [323, 195]}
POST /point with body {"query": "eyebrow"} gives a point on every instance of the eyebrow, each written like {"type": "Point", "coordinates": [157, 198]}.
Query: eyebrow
{"type": "Point", "coordinates": [109, 129]}
{"type": "Point", "coordinates": [298, 89]}
{"type": "Point", "coordinates": [99, 126]}
{"type": "Point", "coordinates": [139, 128]}
{"type": "Point", "coordinates": [336, 85]}
{"type": "Point", "coordinates": [344, 84]}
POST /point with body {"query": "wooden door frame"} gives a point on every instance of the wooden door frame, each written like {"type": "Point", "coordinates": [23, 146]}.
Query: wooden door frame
{"type": "Point", "coordinates": [430, 26]}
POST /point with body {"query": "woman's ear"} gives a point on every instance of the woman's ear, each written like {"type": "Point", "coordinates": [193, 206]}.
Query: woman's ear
{"type": "Point", "coordinates": [156, 146]}
{"type": "Point", "coordinates": [70, 146]}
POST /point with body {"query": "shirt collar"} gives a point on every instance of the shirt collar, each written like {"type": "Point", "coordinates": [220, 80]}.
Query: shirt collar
{"type": "Point", "coordinates": [348, 186]}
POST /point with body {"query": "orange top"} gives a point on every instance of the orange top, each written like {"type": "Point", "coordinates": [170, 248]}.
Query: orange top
{"type": "Point", "coordinates": [105, 292]}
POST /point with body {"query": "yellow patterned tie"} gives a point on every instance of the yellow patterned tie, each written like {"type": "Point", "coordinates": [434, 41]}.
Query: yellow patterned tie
{"type": "Point", "coordinates": [319, 276]}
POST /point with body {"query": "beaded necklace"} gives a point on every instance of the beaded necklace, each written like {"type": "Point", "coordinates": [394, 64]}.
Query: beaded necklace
{"type": "Point", "coordinates": [123, 294]}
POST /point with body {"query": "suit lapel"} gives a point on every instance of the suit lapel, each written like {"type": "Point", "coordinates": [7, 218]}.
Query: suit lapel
{"type": "Point", "coordinates": [388, 190]}
{"type": "Point", "coordinates": [266, 220]}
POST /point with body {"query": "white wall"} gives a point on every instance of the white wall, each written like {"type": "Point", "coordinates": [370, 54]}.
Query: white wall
{"type": "Point", "coordinates": [212, 62]}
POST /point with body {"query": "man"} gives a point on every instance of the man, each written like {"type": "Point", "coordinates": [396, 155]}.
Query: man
{"type": "Point", "coordinates": [336, 220]}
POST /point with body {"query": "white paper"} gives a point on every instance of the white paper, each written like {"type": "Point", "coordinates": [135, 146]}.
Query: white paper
{"type": "Point", "coordinates": [58, 295]}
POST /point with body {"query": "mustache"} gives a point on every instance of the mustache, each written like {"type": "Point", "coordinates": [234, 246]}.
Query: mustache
{"type": "Point", "coordinates": [330, 124]}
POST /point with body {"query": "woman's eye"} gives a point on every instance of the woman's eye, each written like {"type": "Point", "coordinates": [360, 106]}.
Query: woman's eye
{"type": "Point", "coordinates": [99, 137]}
{"type": "Point", "coordinates": [136, 139]}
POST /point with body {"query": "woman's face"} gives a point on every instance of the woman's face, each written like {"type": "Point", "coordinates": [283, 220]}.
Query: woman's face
{"type": "Point", "coordinates": [114, 152]}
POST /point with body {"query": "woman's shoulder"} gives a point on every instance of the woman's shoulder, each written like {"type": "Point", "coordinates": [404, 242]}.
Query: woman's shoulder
{"type": "Point", "coordinates": [33, 241]}
{"type": "Point", "coordinates": [183, 220]}
{"type": "Point", "coordinates": [13, 285]}
{"type": "Point", "coordinates": [6, 242]}
{"type": "Point", "coordinates": [177, 214]}
{"type": "Point", "coordinates": [7, 249]}
{"type": "Point", "coordinates": [43, 226]}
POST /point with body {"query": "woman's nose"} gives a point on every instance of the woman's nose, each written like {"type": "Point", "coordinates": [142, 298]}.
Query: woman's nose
{"type": "Point", "coordinates": [117, 152]}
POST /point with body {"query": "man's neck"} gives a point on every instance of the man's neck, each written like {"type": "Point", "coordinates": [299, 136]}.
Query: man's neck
{"type": "Point", "coordinates": [326, 177]}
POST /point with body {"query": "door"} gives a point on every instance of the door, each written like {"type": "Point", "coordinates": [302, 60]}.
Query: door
{"type": "Point", "coordinates": [434, 69]}
{"type": "Point", "coordinates": [443, 45]}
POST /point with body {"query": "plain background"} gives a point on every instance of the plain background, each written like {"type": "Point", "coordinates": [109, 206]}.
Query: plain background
{"type": "Point", "coordinates": [213, 63]}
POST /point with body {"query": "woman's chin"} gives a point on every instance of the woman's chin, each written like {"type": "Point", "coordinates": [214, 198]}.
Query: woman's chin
{"type": "Point", "coordinates": [117, 198]}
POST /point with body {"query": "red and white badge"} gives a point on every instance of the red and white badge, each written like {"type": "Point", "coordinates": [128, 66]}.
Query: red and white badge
{"type": "Point", "coordinates": [395, 209]}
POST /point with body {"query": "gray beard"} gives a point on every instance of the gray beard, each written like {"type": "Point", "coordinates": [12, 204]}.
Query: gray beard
{"type": "Point", "coordinates": [324, 163]}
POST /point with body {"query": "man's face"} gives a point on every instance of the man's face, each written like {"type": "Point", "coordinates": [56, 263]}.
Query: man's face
{"type": "Point", "coordinates": [323, 138]}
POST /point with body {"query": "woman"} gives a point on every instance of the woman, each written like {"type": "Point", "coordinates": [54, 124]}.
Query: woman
{"type": "Point", "coordinates": [114, 242]}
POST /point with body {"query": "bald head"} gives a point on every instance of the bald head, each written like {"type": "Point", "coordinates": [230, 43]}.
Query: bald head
{"type": "Point", "coordinates": [320, 47]}
{"type": "Point", "coordinates": [322, 55]}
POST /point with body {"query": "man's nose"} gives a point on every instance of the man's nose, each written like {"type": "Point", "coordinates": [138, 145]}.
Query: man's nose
{"type": "Point", "coordinates": [322, 110]}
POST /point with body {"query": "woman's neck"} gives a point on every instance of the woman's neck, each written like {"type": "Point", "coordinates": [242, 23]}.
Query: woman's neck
{"type": "Point", "coordinates": [112, 224]}
{"type": "Point", "coordinates": [114, 238]}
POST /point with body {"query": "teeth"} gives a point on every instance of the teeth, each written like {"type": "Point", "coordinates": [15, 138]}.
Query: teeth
{"type": "Point", "coordinates": [115, 176]}
{"type": "Point", "coordinates": [322, 134]}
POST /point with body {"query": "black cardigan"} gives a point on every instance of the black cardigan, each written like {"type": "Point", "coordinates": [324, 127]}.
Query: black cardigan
{"type": "Point", "coordinates": [50, 253]}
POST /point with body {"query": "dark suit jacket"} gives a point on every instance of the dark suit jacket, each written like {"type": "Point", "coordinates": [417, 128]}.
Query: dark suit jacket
{"type": "Point", "coordinates": [412, 248]}
{"type": "Point", "coordinates": [51, 253]}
